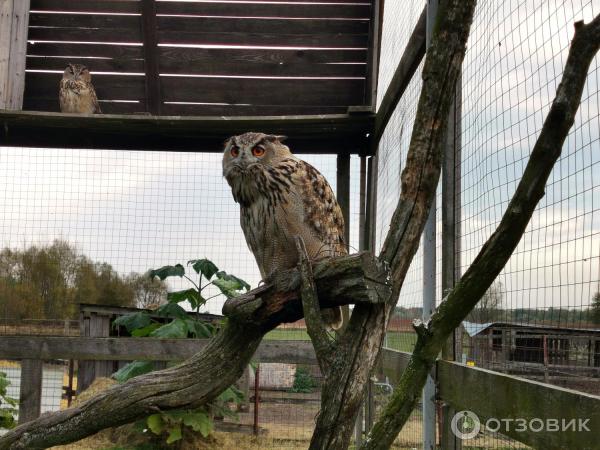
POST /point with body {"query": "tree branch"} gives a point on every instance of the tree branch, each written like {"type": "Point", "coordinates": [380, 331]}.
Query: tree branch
{"type": "Point", "coordinates": [499, 247]}
{"type": "Point", "coordinates": [315, 326]}
{"type": "Point", "coordinates": [343, 280]}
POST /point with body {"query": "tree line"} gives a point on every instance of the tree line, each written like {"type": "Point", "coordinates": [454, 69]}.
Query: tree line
{"type": "Point", "coordinates": [48, 282]}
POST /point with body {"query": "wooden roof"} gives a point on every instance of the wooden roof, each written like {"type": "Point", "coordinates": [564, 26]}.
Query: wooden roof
{"type": "Point", "coordinates": [204, 58]}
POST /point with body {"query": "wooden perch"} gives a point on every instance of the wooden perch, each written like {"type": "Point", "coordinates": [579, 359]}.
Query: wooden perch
{"type": "Point", "coordinates": [343, 280]}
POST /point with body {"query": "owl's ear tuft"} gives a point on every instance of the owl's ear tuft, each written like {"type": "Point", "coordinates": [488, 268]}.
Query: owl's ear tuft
{"type": "Point", "coordinates": [275, 137]}
{"type": "Point", "coordinates": [227, 141]}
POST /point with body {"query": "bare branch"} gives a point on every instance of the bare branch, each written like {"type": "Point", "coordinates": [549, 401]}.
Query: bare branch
{"type": "Point", "coordinates": [315, 326]}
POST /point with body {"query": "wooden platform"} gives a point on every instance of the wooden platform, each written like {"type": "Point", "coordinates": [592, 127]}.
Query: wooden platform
{"type": "Point", "coordinates": [323, 134]}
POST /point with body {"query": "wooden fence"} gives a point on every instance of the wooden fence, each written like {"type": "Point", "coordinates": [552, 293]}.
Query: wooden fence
{"type": "Point", "coordinates": [488, 394]}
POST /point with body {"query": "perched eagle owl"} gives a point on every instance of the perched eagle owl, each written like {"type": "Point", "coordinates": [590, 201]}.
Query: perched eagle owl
{"type": "Point", "coordinates": [282, 197]}
{"type": "Point", "coordinates": [77, 93]}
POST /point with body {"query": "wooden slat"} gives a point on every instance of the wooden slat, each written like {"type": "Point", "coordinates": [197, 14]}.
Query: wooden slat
{"type": "Point", "coordinates": [393, 363]}
{"type": "Point", "coordinates": [248, 110]}
{"type": "Point", "coordinates": [108, 87]}
{"type": "Point", "coordinates": [94, 64]}
{"type": "Point", "coordinates": [107, 6]}
{"type": "Point", "coordinates": [126, 349]}
{"type": "Point", "coordinates": [324, 134]}
{"type": "Point", "coordinates": [124, 52]}
{"type": "Point", "coordinates": [114, 22]}
{"type": "Point", "coordinates": [309, 92]}
{"type": "Point", "coordinates": [266, 10]}
{"type": "Point", "coordinates": [181, 60]}
{"type": "Point", "coordinates": [265, 39]}
{"type": "Point", "coordinates": [495, 395]}
{"type": "Point", "coordinates": [51, 105]}
{"type": "Point", "coordinates": [85, 34]}
{"type": "Point", "coordinates": [254, 25]}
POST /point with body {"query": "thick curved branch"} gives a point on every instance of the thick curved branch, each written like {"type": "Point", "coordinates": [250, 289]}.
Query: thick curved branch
{"type": "Point", "coordinates": [348, 279]}
{"type": "Point", "coordinates": [499, 247]}
{"type": "Point", "coordinates": [189, 385]}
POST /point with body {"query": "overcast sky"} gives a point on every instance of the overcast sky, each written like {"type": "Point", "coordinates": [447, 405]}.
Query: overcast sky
{"type": "Point", "coordinates": [140, 210]}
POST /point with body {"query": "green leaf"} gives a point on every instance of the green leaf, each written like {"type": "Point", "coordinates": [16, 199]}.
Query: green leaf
{"type": "Point", "coordinates": [155, 423]}
{"type": "Point", "coordinates": [231, 395]}
{"type": "Point", "coordinates": [175, 329]}
{"type": "Point", "coordinates": [199, 422]}
{"type": "Point", "coordinates": [205, 267]}
{"type": "Point", "coordinates": [191, 295]}
{"type": "Point", "coordinates": [133, 369]}
{"type": "Point", "coordinates": [143, 332]}
{"type": "Point", "coordinates": [229, 287]}
{"type": "Point", "coordinates": [200, 329]}
{"type": "Point", "coordinates": [167, 271]}
{"type": "Point", "coordinates": [174, 434]}
{"type": "Point", "coordinates": [133, 321]}
{"type": "Point", "coordinates": [227, 277]}
{"type": "Point", "coordinates": [171, 310]}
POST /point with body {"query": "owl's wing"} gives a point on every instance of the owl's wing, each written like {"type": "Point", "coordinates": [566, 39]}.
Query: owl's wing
{"type": "Point", "coordinates": [322, 213]}
{"type": "Point", "coordinates": [94, 99]}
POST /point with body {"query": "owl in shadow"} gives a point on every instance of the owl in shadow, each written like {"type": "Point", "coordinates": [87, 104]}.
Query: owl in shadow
{"type": "Point", "coordinates": [77, 93]}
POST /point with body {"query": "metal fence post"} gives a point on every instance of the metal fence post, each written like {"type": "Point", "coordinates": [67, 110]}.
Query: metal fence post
{"type": "Point", "coordinates": [429, 282]}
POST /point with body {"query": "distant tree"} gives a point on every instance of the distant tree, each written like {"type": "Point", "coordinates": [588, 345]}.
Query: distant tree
{"type": "Point", "coordinates": [489, 308]}
{"type": "Point", "coordinates": [595, 316]}
{"type": "Point", "coordinates": [147, 292]}
{"type": "Point", "coordinates": [49, 282]}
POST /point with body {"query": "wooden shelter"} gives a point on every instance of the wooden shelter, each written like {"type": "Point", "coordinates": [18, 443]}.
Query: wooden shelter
{"type": "Point", "coordinates": [180, 75]}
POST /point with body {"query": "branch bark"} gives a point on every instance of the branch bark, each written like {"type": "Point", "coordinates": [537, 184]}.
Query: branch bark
{"type": "Point", "coordinates": [499, 247]}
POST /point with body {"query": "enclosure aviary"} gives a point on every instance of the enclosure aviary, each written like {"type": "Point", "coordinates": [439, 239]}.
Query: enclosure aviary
{"type": "Point", "coordinates": [371, 283]}
{"type": "Point", "coordinates": [281, 197]}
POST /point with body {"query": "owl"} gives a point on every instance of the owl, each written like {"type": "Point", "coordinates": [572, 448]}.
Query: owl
{"type": "Point", "coordinates": [77, 93]}
{"type": "Point", "coordinates": [280, 197]}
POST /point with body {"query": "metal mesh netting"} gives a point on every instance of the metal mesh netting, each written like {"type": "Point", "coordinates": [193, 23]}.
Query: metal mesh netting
{"type": "Point", "coordinates": [539, 319]}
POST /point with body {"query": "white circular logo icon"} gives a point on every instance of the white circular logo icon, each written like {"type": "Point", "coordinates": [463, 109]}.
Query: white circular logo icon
{"type": "Point", "coordinates": [465, 425]}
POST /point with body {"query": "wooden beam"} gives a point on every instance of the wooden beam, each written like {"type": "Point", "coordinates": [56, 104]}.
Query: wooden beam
{"type": "Point", "coordinates": [493, 395]}
{"type": "Point", "coordinates": [326, 134]}
{"type": "Point", "coordinates": [127, 349]}
{"type": "Point", "coordinates": [14, 20]}
{"type": "Point", "coordinates": [413, 54]}
{"type": "Point", "coordinates": [149, 33]}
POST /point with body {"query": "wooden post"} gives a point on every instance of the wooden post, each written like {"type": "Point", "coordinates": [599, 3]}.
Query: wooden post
{"type": "Point", "coordinates": [153, 96]}
{"type": "Point", "coordinates": [14, 21]}
{"type": "Point", "coordinates": [256, 397]}
{"type": "Point", "coordinates": [343, 198]}
{"type": "Point", "coordinates": [30, 397]}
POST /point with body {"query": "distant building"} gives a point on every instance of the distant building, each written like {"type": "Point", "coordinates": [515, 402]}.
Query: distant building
{"type": "Point", "coordinates": [559, 355]}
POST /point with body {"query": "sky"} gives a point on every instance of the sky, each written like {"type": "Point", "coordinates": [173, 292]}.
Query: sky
{"type": "Point", "coordinates": [139, 210]}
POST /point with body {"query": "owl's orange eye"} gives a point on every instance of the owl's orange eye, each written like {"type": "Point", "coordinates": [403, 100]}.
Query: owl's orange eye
{"type": "Point", "coordinates": [258, 151]}
{"type": "Point", "coordinates": [235, 151]}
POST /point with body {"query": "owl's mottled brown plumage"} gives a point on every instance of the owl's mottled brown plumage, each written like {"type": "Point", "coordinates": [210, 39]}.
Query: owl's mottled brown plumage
{"type": "Point", "coordinates": [281, 197]}
{"type": "Point", "coordinates": [77, 93]}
